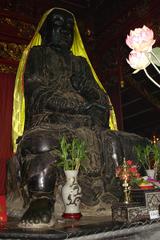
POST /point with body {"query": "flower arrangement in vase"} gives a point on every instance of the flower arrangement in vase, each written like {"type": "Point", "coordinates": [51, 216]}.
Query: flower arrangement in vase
{"type": "Point", "coordinates": [128, 174]}
{"type": "Point", "coordinates": [72, 156]}
{"type": "Point", "coordinates": [149, 158]}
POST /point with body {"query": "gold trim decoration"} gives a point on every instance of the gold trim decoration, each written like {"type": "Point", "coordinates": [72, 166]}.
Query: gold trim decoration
{"type": "Point", "coordinates": [25, 30]}
{"type": "Point", "coordinates": [6, 20]}
{"type": "Point", "coordinates": [7, 69]}
{"type": "Point", "coordinates": [11, 50]}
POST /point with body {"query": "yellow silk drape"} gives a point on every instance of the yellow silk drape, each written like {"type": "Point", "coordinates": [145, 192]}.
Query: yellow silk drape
{"type": "Point", "coordinates": [18, 118]}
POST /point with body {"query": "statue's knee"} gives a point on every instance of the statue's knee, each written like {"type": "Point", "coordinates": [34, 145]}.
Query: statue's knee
{"type": "Point", "coordinates": [43, 182]}
{"type": "Point", "coordinates": [37, 142]}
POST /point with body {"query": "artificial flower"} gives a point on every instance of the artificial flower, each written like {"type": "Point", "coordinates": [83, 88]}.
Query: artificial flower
{"type": "Point", "coordinates": [128, 171]}
{"type": "Point", "coordinates": [141, 39]}
{"type": "Point", "coordinates": [133, 169]}
{"type": "Point", "coordinates": [138, 60]}
{"type": "Point", "coordinates": [129, 162]}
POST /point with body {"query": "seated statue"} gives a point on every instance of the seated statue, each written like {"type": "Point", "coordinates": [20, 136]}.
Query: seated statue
{"type": "Point", "coordinates": [63, 97]}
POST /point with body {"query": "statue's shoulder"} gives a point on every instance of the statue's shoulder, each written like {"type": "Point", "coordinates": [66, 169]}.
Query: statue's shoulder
{"type": "Point", "coordinates": [37, 49]}
{"type": "Point", "coordinates": [37, 52]}
{"type": "Point", "coordinates": [79, 59]}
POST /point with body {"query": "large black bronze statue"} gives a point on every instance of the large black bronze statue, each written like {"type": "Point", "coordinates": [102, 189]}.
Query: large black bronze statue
{"type": "Point", "coordinates": [63, 98]}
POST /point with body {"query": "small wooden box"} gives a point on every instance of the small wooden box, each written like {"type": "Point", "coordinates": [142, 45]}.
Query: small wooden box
{"type": "Point", "coordinates": [131, 212]}
{"type": "Point", "coordinates": [149, 198]}
{"type": "Point", "coordinates": [144, 201]}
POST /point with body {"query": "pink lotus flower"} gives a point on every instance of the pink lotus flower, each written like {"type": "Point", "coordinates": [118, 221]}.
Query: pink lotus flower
{"type": "Point", "coordinates": [141, 39]}
{"type": "Point", "coordinates": [138, 60]}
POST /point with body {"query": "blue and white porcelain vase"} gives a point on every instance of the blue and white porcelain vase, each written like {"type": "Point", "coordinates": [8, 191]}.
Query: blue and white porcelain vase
{"type": "Point", "coordinates": [71, 194]}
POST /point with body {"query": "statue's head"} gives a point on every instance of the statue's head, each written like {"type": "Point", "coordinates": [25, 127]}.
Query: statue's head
{"type": "Point", "coordinates": [58, 29]}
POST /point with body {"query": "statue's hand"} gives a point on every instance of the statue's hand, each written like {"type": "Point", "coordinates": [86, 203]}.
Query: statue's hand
{"type": "Point", "coordinates": [94, 106]}
{"type": "Point", "coordinates": [68, 102]}
{"type": "Point", "coordinates": [99, 113]}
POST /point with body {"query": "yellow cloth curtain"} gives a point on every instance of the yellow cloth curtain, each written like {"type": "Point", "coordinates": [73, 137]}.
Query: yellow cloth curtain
{"type": "Point", "coordinates": [18, 117]}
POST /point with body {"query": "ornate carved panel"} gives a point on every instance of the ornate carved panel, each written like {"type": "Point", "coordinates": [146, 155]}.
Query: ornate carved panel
{"type": "Point", "coordinates": [7, 69]}
{"type": "Point", "coordinates": [11, 50]}
{"type": "Point", "coordinates": [24, 30]}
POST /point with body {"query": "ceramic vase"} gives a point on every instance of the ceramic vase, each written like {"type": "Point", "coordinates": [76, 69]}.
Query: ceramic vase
{"type": "Point", "coordinates": [71, 194]}
{"type": "Point", "coordinates": [150, 173]}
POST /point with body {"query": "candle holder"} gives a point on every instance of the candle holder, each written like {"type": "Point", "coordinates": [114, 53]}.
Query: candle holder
{"type": "Point", "coordinates": [126, 186]}
{"type": "Point", "coordinates": [128, 173]}
{"type": "Point", "coordinates": [126, 192]}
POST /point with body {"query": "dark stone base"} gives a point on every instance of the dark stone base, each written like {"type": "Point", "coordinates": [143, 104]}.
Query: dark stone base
{"type": "Point", "coordinates": [86, 228]}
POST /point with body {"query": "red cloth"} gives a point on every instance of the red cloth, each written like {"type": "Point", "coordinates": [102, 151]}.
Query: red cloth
{"type": "Point", "coordinates": [6, 103]}
{"type": "Point", "coordinates": [3, 209]}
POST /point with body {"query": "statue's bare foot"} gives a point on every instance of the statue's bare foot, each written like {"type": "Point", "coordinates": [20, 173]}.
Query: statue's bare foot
{"type": "Point", "coordinates": [38, 215]}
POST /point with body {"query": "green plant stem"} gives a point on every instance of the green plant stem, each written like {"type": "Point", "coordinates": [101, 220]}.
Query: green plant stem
{"type": "Point", "coordinates": [72, 154]}
{"type": "Point", "coordinates": [155, 66]}
{"type": "Point", "coordinates": [152, 80]}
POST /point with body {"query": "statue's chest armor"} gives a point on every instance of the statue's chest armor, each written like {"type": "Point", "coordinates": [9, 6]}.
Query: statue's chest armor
{"type": "Point", "coordinates": [58, 69]}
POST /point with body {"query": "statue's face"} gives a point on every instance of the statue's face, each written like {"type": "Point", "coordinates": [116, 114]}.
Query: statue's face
{"type": "Point", "coordinates": [60, 29]}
